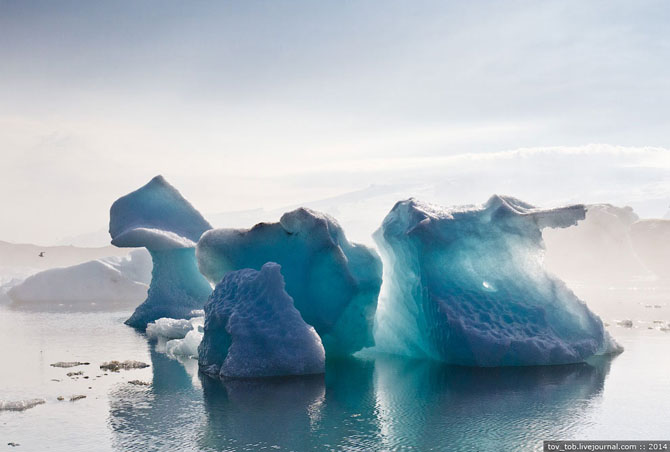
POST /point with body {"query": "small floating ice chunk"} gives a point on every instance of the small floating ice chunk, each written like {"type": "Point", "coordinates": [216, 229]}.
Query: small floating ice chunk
{"type": "Point", "coordinates": [169, 328]}
{"type": "Point", "coordinates": [626, 323]}
{"type": "Point", "coordinates": [66, 364]}
{"type": "Point", "coordinates": [20, 405]}
{"type": "Point", "coordinates": [115, 366]}
{"type": "Point", "coordinates": [188, 346]}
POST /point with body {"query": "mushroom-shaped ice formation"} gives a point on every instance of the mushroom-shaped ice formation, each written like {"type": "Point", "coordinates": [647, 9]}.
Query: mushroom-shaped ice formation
{"type": "Point", "coordinates": [157, 217]}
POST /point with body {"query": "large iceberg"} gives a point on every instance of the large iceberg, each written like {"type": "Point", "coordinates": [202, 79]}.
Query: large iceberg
{"type": "Point", "coordinates": [20, 260]}
{"type": "Point", "coordinates": [334, 283]}
{"type": "Point", "coordinates": [466, 285]}
{"type": "Point", "coordinates": [101, 284]}
{"type": "Point", "coordinates": [158, 218]}
{"type": "Point", "coordinates": [252, 329]}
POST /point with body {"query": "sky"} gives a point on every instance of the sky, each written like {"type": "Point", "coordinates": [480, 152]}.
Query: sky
{"type": "Point", "coordinates": [263, 105]}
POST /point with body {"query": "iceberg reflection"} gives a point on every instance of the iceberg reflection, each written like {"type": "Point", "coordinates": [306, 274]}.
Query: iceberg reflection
{"type": "Point", "coordinates": [431, 405]}
{"type": "Point", "coordinates": [386, 403]}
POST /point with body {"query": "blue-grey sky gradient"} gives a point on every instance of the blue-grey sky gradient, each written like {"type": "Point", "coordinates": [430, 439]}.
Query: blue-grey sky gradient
{"type": "Point", "coordinates": [249, 104]}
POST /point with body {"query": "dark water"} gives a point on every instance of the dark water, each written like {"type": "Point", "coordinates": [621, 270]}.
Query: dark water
{"type": "Point", "coordinates": [373, 404]}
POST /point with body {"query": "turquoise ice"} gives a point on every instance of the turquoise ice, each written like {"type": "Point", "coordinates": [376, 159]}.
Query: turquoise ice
{"type": "Point", "coordinates": [157, 217]}
{"type": "Point", "coordinates": [252, 329]}
{"type": "Point", "coordinates": [334, 283]}
{"type": "Point", "coordinates": [466, 285]}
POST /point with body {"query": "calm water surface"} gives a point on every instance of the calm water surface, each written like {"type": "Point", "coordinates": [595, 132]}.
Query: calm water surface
{"type": "Point", "coordinates": [360, 405]}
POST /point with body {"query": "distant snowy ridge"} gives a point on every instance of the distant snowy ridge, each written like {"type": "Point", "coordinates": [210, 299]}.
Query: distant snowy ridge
{"type": "Point", "coordinates": [612, 245]}
{"type": "Point", "coordinates": [110, 283]}
{"type": "Point", "coordinates": [22, 259]}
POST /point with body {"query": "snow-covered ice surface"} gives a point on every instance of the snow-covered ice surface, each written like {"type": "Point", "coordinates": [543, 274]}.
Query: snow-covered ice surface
{"type": "Point", "coordinates": [102, 284]}
{"type": "Point", "coordinates": [186, 347]}
{"type": "Point", "coordinates": [157, 217]}
{"type": "Point", "coordinates": [136, 265]}
{"type": "Point", "coordinates": [178, 338]}
{"type": "Point", "coordinates": [334, 283]}
{"type": "Point", "coordinates": [466, 285]}
{"type": "Point", "coordinates": [168, 328]}
{"type": "Point", "coordinates": [20, 260]}
{"type": "Point", "coordinates": [6, 284]}
{"type": "Point", "coordinates": [252, 329]}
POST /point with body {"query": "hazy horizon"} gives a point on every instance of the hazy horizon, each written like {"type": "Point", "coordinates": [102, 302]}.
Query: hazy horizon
{"type": "Point", "coordinates": [265, 105]}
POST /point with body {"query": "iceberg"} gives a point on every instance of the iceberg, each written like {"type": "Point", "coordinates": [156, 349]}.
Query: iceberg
{"type": "Point", "coordinates": [157, 217]}
{"type": "Point", "coordinates": [252, 329]}
{"type": "Point", "coordinates": [101, 284]}
{"type": "Point", "coordinates": [178, 338]}
{"type": "Point", "coordinates": [188, 346]}
{"type": "Point", "coordinates": [135, 266]}
{"type": "Point", "coordinates": [334, 283]}
{"type": "Point", "coordinates": [165, 328]}
{"type": "Point", "coordinates": [466, 285]}
{"type": "Point", "coordinates": [20, 260]}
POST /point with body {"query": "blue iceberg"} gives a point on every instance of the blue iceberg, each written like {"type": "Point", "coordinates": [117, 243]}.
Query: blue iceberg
{"type": "Point", "coordinates": [466, 285]}
{"type": "Point", "coordinates": [334, 283]}
{"type": "Point", "coordinates": [158, 218]}
{"type": "Point", "coordinates": [252, 329]}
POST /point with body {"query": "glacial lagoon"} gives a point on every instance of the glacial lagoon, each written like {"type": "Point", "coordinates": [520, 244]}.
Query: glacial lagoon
{"type": "Point", "coordinates": [379, 403]}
